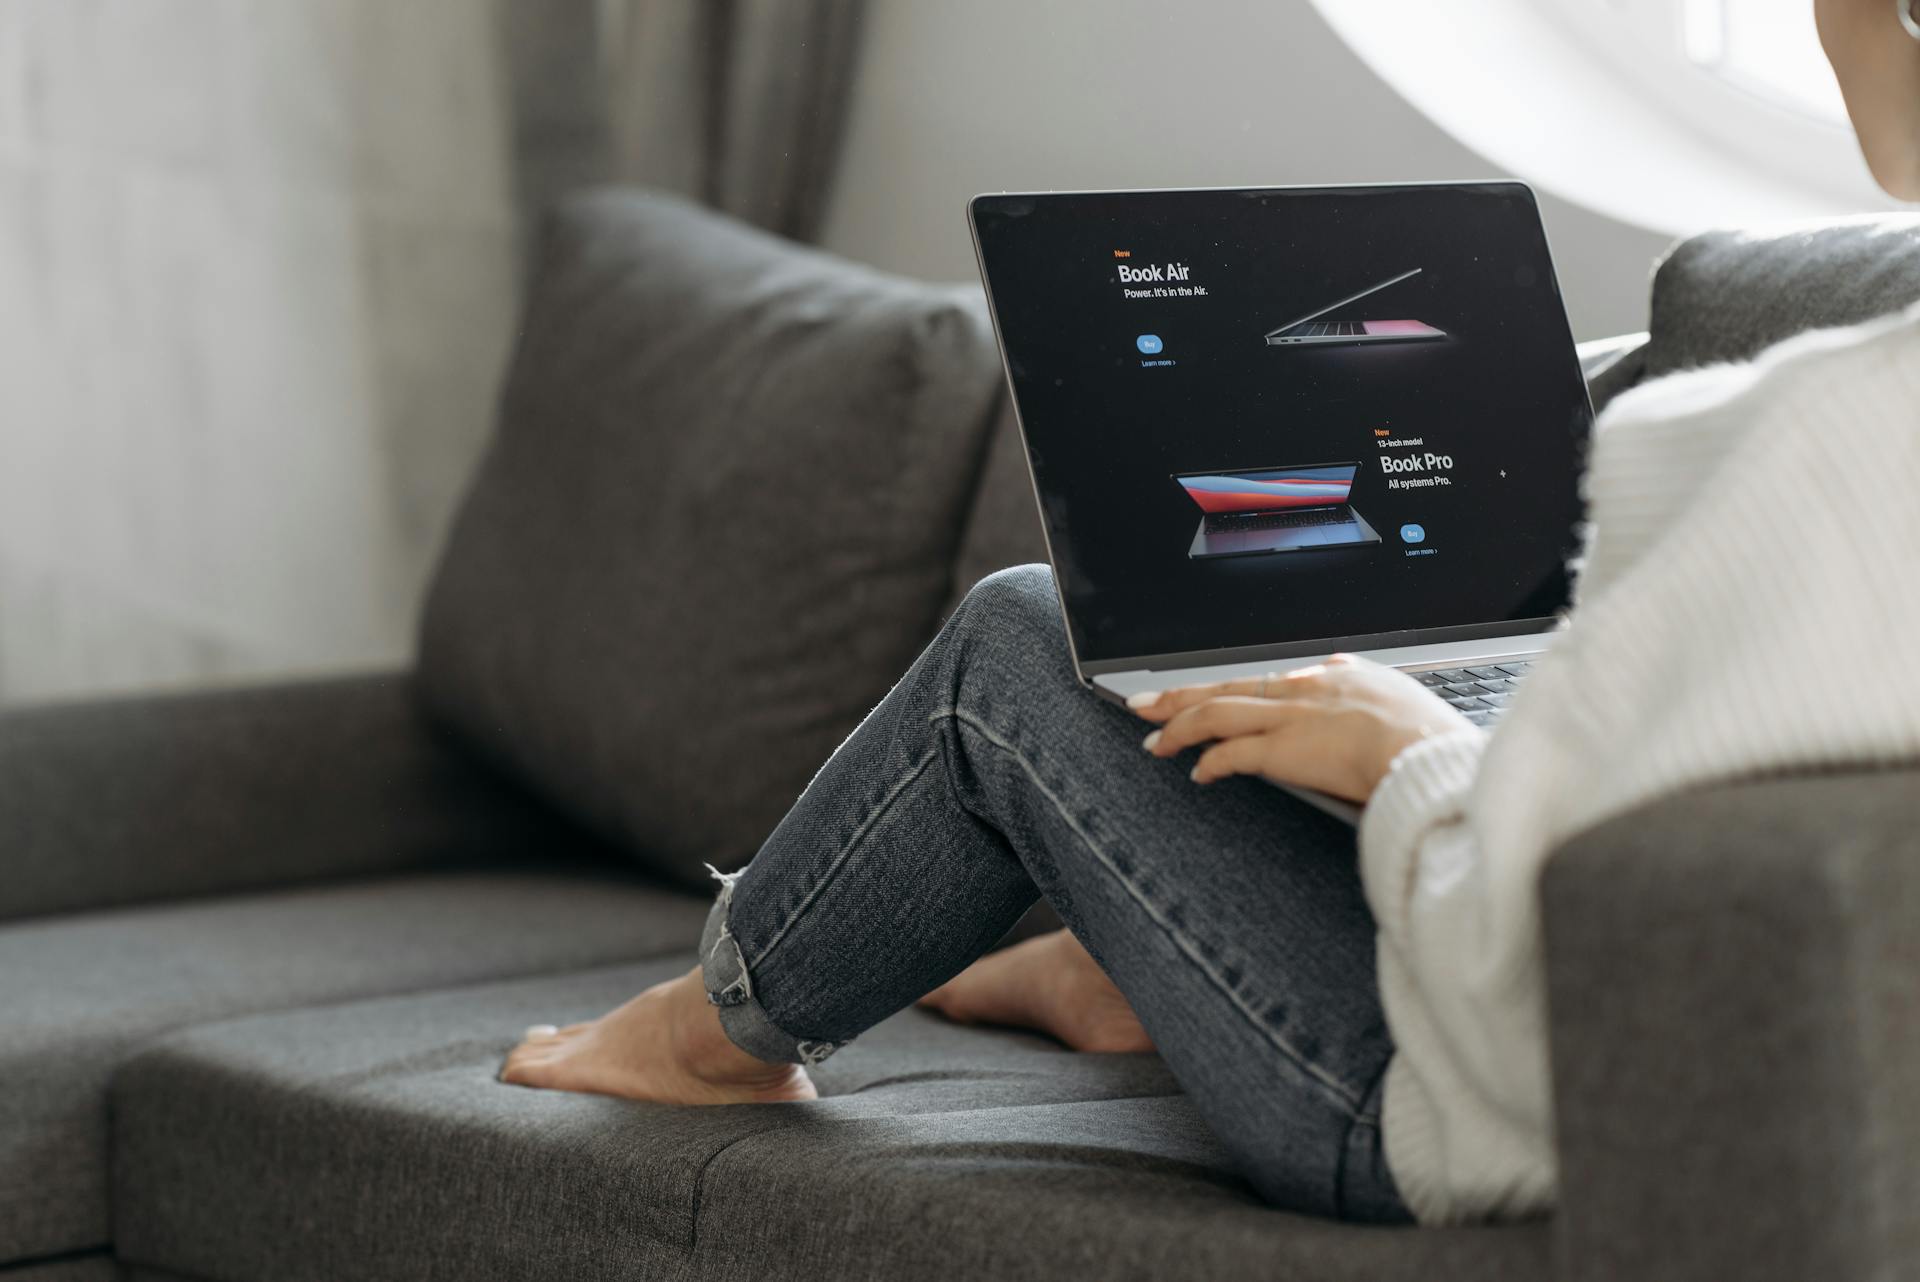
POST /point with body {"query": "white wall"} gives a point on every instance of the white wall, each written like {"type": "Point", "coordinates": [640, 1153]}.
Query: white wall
{"type": "Point", "coordinates": [995, 95]}
{"type": "Point", "coordinates": [257, 269]}
{"type": "Point", "coordinates": [256, 283]}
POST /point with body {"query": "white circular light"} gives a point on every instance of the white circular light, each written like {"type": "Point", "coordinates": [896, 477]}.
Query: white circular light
{"type": "Point", "coordinates": [1628, 108]}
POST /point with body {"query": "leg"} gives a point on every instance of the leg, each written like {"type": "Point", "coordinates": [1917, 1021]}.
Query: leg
{"type": "Point", "coordinates": [1232, 917]}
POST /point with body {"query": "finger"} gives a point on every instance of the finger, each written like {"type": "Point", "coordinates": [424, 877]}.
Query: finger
{"type": "Point", "coordinates": [1274, 685]}
{"type": "Point", "coordinates": [1223, 718]}
{"type": "Point", "coordinates": [1246, 755]}
{"type": "Point", "coordinates": [536, 1032]}
{"type": "Point", "coordinates": [1168, 703]}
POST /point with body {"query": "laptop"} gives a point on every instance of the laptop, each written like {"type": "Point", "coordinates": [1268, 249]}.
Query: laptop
{"type": "Point", "coordinates": [1123, 320]}
{"type": "Point", "coordinates": [1311, 329]}
{"type": "Point", "coordinates": [1275, 509]}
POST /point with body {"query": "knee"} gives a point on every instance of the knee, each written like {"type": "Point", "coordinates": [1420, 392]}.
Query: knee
{"type": "Point", "coordinates": [1017, 602]}
{"type": "Point", "coordinates": [1010, 623]}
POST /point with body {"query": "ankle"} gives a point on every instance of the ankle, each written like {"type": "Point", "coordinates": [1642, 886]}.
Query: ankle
{"type": "Point", "coordinates": [700, 1044]}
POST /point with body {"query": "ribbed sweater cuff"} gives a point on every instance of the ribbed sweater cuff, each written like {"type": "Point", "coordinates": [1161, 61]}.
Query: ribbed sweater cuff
{"type": "Point", "coordinates": [1427, 784]}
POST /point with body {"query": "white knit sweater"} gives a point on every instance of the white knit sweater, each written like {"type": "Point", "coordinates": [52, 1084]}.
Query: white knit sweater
{"type": "Point", "coordinates": [1750, 602]}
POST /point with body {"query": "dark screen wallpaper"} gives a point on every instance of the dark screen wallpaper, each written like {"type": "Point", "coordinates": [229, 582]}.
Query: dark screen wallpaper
{"type": "Point", "coordinates": [1137, 330]}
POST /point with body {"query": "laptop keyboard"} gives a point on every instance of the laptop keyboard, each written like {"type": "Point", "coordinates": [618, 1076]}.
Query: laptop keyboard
{"type": "Point", "coordinates": [1337, 329]}
{"type": "Point", "coordinates": [1284, 520]}
{"type": "Point", "coordinates": [1480, 692]}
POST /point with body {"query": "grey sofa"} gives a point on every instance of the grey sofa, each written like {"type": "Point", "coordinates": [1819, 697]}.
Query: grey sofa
{"type": "Point", "coordinates": [261, 951]}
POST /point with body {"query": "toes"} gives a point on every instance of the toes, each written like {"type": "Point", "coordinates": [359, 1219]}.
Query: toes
{"type": "Point", "coordinates": [517, 1071]}
{"type": "Point", "coordinates": [531, 1063]}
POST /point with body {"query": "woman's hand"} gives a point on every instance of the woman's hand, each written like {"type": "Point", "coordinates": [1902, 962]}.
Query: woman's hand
{"type": "Point", "coordinates": [1335, 727]}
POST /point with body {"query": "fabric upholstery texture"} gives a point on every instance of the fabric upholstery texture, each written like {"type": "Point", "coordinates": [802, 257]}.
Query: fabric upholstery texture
{"type": "Point", "coordinates": [1761, 936]}
{"type": "Point", "coordinates": [369, 1140]}
{"type": "Point", "coordinates": [1727, 295]}
{"type": "Point", "coordinates": [117, 801]}
{"type": "Point", "coordinates": [80, 992]}
{"type": "Point", "coordinates": [717, 520]}
{"type": "Point", "coordinates": [1003, 524]}
{"type": "Point", "coordinates": [83, 1268]}
{"type": "Point", "coordinates": [1612, 365]}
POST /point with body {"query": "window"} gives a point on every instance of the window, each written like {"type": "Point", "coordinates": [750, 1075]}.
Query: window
{"type": "Point", "coordinates": [1764, 47]}
{"type": "Point", "coordinates": [1671, 114]}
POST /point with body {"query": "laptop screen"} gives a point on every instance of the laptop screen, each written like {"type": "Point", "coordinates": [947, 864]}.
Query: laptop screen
{"type": "Point", "coordinates": [1157, 335]}
{"type": "Point", "coordinates": [1270, 489]}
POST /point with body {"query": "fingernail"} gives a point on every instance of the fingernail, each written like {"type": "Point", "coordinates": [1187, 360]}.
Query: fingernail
{"type": "Point", "coordinates": [1194, 774]}
{"type": "Point", "coordinates": [1150, 740]}
{"type": "Point", "coordinates": [1143, 699]}
{"type": "Point", "coordinates": [539, 1030]}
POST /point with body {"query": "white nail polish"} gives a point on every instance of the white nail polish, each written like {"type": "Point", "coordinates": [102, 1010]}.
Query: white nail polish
{"type": "Point", "coordinates": [1150, 740]}
{"type": "Point", "coordinates": [1194, 774]}
{"type": "Point", "coordinates": [1142, 700]}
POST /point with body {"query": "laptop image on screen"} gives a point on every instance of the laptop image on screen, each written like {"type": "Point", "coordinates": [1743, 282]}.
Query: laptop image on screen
{"type": "Point", "coordinates": [1310, 329]}
{"type": "Point", "coordinates": [1275, 509]}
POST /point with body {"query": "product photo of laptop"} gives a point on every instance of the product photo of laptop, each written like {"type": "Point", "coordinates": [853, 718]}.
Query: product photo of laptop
{"type": "Point", "coordinates": [1477, 455]}
{"type": "Point", "coordinates": [1276, 509]}
{"type": "Point", "coordinates": [1310, 329]}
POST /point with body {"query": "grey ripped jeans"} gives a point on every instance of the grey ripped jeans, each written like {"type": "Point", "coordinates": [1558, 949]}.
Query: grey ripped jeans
{"type": "Point", "coordinates": [1231, 916]}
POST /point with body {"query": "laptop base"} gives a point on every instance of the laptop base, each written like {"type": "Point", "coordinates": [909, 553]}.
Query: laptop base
{"type": "Point", "coordinates": [1216, 537]}
{"type": "Point", "coordinates": [1118, 687]}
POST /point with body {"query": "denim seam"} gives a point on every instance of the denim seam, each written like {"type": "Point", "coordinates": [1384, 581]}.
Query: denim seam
{"type": "Point", "coordinates": [853, 843]}
{"type": "Point", "coordinates": [1333, 1085]}
{"type": "Point", "coordinates": [1361, 1117]}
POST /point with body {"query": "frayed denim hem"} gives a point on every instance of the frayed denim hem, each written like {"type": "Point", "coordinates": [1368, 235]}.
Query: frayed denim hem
{"type": "Point", "coordinates": [723, 968]}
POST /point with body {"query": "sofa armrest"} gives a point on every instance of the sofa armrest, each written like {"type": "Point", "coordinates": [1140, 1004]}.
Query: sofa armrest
{"type": "Point", "coordinates": [1733, 980]}
{"type": "Point", "coordinates": [125, 800]}
{"type": "Point", "coordinates": [1612, 365]}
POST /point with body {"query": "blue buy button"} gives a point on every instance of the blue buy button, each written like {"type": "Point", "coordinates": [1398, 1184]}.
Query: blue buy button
{"type": "Point", "coordinates": [1413, 533]}
{"type": "Point", "coordinates": [1149, 344]}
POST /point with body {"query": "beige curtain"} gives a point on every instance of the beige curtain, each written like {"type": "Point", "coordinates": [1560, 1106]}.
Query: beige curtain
{"type": "Point", "coordinates": [738, 103]}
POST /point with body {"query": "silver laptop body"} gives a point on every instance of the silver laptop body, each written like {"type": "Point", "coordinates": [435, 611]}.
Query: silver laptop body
{"type": "Point", "coordinates": [1310, 329]}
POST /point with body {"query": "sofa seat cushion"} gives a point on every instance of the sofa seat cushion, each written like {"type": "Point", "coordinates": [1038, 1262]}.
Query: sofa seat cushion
{"type": "Point", "coordinates": [80, 992]}
{"type": "Point", "coordinates": [371, 1140]}
{"type": "Point", "coordinates": [95, 1266]}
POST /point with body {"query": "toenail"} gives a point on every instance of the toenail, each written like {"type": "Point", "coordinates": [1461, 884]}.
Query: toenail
{"type": "Point", "coordinates": [540, 1030]}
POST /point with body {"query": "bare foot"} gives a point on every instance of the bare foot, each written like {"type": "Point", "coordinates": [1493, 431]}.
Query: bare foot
{"type": "Point", "coordinates": [666, 1045]}
{"type": "Point", "coordinates": [1049, 983]}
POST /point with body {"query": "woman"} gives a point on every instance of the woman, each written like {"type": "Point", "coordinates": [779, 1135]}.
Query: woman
{"type": "Point", "coordinates": [1367, 1035]}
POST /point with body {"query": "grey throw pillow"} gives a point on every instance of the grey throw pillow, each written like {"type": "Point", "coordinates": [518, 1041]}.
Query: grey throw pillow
{"type": "Point", "coordinates": [1003, 527]}
{"type": "Point", "coordinates": [1728, 295]}
{"type": "Point", "coordinates": [717, 521]}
